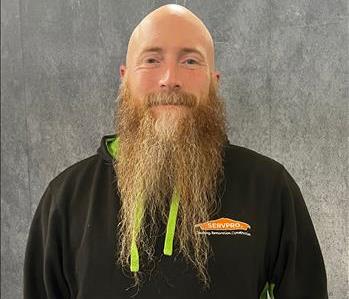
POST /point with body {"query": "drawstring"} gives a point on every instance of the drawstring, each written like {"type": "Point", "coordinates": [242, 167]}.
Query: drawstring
{"type": "Point", "coordinates": [134, 264]}
{"type": "Point", "coordinates": [170, 230]}
{"type": "Point", "coordinates": [171, 223]}
{"type": "Point", "coordinates": [113, 146]}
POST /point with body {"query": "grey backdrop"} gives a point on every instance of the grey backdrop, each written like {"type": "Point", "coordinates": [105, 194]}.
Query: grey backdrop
{"type": "Point", "coordinates": [284, 66]}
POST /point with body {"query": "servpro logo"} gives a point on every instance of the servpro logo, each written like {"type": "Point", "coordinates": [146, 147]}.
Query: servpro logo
{"type": "Point", "coordinates": [223, 226]}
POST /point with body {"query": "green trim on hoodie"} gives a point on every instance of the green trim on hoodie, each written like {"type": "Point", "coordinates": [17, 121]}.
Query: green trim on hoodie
{"type": "Point", "coordinates": [112, 146]}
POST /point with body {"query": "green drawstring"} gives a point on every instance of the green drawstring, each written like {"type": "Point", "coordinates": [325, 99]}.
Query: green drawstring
{"type": "Point", "coordinates": [268, 291]}
{"type": "Point", "coordinates": [136, 228]}
{"type": "Point", "coordinates": [113, 146]}
{"type": "Point", "coordinates": [171, 223]}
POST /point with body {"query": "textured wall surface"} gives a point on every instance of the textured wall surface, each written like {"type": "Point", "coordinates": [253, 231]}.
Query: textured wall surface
{"type": "Point", "coordinates": [284, 67]}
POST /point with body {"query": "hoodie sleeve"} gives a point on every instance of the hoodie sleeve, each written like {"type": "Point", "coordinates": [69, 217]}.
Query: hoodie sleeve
{"type": "Point", "coordinates": [297, 266]}
{"type": "Point", "coordinates": [43, 270]}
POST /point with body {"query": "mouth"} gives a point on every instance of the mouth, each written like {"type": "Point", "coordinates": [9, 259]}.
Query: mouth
{"type": "Point", "coordinates": [169, 109]}
{"type": "Point", "coordinates": [169, 106]}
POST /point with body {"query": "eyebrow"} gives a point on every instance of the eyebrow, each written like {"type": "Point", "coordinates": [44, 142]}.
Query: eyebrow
{"type": "Point", "coordinates": [182, 50]}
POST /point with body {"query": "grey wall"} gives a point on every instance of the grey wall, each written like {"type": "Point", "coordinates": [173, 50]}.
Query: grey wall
{"type": "Point", "coordinates": [284, 66]}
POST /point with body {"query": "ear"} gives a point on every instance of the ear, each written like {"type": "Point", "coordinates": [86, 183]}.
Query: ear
{"type": "Point", "coordinates": [217, 75]}
{"type": "Point", "coordinates": [122, 71]}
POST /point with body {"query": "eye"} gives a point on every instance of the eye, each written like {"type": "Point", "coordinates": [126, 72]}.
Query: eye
{"type": "Point", "coordinates": [195, 62]}
{"type": "Point", "coordinates": [150, 60]}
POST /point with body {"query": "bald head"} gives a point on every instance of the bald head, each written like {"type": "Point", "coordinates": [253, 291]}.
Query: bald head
{"type": "Point", "coordinates": [170, 49]}
{"type": "Point", "coordinates": [177, 19]}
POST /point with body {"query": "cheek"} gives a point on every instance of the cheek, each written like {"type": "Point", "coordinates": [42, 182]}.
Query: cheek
{"type": "Point", "coordinates": [199, 77]}
{"type": "Point", "coordinates": [140, 85]}
{"type": "Point", "coordinates": [198, 83]}
{"type": "Point", "coordinates": [195, 81]}
{"type": "Point", "coordinates": [145, 81]}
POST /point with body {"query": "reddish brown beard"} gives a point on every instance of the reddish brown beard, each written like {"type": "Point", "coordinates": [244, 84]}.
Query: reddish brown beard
{"type": "Point", "coordinates": [187, 154]}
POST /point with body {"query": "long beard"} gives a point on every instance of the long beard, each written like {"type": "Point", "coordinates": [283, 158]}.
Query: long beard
{"type": "Point", "coordinates": [157, 154]}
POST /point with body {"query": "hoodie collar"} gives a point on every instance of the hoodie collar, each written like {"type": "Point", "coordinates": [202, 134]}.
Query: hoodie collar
{"type": "Point", "coordinates": [106, 148]}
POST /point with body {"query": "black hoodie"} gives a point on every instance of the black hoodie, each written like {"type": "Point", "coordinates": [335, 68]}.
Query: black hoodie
{"type": "Point", "coordinates": [262, 237]}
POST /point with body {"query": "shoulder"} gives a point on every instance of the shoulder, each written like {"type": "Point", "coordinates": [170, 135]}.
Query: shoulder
{"type": "Point", "coordinates": [75, 171]}
{"type": "Point", "coordinates": [245, 164]}
{"type": "Point", "coordinates": [244, 160]}
{"type": "Point", "coordinates": [75, 179]}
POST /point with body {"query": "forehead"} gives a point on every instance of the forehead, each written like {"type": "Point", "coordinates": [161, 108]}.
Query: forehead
{"type": "Point", "coordinates": [173, 34]}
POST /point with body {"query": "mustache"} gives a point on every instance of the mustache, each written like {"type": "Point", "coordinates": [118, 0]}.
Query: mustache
{"type": "Point", "coordinates": [170, 98]}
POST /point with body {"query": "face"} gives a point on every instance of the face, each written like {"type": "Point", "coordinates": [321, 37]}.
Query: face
{"type": "Point", "coordinates": [169, 60]}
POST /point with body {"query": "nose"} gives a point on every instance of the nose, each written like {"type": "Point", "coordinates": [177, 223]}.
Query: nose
{"type": "Point", "coordinates": [169, 80]}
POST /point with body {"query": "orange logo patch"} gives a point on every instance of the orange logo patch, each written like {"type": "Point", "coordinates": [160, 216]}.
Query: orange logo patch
{"type": "Point", "coordinates": [225, 224]}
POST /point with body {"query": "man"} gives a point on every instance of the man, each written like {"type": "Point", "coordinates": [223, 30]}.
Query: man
{"type": "Point", "coordinates": [168, 208]}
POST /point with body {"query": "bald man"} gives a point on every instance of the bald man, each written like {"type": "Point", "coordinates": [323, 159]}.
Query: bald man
{"type": "Point", "coordinates": [168, 207]}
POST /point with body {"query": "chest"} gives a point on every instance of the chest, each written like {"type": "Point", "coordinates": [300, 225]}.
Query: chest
{"type": "Point", "coordinates": [237, 262]}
